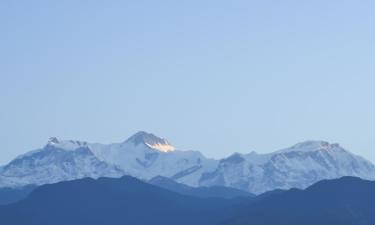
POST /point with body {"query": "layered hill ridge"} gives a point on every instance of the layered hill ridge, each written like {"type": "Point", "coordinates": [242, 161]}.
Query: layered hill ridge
{"type": "Point", "coordinates": [145, 156]}
{"type": "Point", "coordinates": [111, 201]}
{"type": "Point", "coordinates": [127, 200]}
{"type": "Point", "coordinates": [344, 201]}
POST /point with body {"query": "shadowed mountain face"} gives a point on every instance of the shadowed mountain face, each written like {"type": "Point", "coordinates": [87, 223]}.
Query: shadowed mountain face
{"type": "Point", "coordinates": [112, 202]}
{"type": "Point", "coordinates": [202, 192]}
{"type": "Point", "coordinates": [346, 201]}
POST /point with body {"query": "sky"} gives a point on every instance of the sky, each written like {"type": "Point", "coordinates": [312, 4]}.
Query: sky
{"type": "Point", "coordinates": [215, 76]}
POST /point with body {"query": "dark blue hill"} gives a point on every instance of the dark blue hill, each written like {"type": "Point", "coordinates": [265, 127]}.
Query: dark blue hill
{"type": "Point", "coordinates": [345, 201]}
{"type": "Point", "coordinates": [109, 201]}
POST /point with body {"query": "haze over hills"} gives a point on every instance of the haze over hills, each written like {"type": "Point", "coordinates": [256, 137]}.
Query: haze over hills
{"type": "Point", "coordinates": [12, 195]}
{"type": "Point", "coordinates": [145, 156]}
{"type": "Point", "coordinates": [203, 192]}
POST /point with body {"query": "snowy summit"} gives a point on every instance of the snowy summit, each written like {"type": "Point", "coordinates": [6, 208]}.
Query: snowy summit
{"type": "Point", "coordinates": [65, 144]}
{"type": "Point", "coordinates": [151, 141]}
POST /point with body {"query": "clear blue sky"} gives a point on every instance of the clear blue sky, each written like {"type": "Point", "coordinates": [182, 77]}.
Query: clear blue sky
{"type": "Point", "coordinates": [216, 76]}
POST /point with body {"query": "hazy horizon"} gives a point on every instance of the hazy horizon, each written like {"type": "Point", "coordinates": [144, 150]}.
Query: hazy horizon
{"type": "Point", "coordinates": [209, 76]}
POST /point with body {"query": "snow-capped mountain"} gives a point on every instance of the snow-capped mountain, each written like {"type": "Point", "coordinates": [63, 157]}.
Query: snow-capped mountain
{"type": "Point", "coordinates": [150, 140]}
{"type": "Point", "coordinates": [296, 167]}
{"type": "Point", "coordinates": [57, 161]}
{"type": "Point", "coordinates": [145, 156]}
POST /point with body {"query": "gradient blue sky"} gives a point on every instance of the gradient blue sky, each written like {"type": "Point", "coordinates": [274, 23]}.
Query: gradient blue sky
{"type": "Point", "coordinates": [216, 76]}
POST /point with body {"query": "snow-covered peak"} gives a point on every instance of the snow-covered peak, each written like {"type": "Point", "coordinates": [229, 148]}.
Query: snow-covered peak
{"type": "Point", "coordinates": [151, 141]}
{"type": "Point", "coordinates": [53, 140]}
{"type": "Point", "coordinates": [65, 144]}
{"type": "Point", "coordinates": [308, 146]}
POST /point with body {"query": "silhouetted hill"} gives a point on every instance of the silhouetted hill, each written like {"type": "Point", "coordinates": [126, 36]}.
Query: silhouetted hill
{"type": "Point", "coordinates": [202, 192]}
{"type": "Point", "coordinates": [345, 201]}
{"type": "Point", "coordinates": [109, 201]}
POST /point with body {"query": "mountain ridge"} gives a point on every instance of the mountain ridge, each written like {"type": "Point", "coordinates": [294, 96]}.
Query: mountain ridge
{"type": "Point", "coordinates": [344, 201]}
{"type": "Point", "coordinates": [298, 166]}
{"type": "Point", "coordinates": [112, 201]}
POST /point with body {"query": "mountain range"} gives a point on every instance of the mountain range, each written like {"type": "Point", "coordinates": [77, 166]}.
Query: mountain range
{"type": "Point", "coordinates": [146, 156]}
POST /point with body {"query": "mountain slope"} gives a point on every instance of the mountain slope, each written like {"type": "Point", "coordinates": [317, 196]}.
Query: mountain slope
{"type": "Point", "coordinates": [144, 155]}
{"type": "Point", "coordinates": [345, 201]}
{"type": "Point", "coordinates": [112, 201]}
{"type": "Point", "coordinates": [57, 161]}
{"type": "Point", "coordinates": [202, 192]}
{"type": "Point", "coordinates": [297, 167]}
